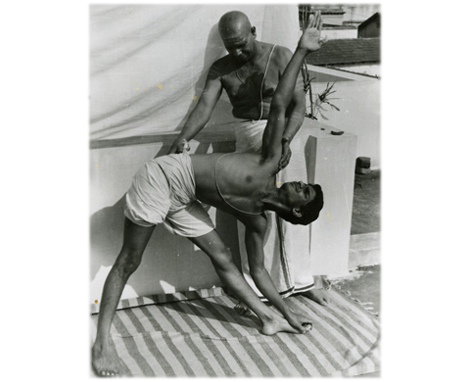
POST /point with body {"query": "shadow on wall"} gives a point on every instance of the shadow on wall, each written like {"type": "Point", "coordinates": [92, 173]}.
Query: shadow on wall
{"type": "Point", "coordinates": [222, 114]}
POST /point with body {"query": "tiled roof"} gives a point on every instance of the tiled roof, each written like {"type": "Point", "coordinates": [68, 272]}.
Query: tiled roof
{"type": "Point", "coordinates": [347, 51]}
{"type": "Point", "coordinates": [324, 10]}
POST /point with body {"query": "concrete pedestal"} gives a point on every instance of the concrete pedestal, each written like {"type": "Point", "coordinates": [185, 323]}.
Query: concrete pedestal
{"type": "Point", "coordinates": [331, 162]}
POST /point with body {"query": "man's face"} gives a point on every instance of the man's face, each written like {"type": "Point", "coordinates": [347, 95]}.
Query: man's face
{"type": "Point", "coordinates": [240, 46]}
{"type": "Point", "coordinates": [298, 194]}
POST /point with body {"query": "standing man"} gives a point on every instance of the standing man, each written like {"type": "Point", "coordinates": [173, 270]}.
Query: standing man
{"type": "Point", "coordinates": [250, 73]}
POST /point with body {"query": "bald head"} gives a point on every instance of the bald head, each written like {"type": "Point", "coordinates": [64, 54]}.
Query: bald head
{"type": "Point", "coordinates": [238, 36]}
{"type": "Point", "coordinates": [233, 24]}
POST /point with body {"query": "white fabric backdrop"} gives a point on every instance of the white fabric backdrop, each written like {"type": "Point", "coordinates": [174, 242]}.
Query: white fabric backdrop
{"type": "Point", "coordinates": [149, 63]}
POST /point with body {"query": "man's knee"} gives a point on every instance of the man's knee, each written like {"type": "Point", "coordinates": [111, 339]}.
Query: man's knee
{"type": "Point", "coordinates": [128, 261]}
{"type": "Point", "coordinates": [222, 257]}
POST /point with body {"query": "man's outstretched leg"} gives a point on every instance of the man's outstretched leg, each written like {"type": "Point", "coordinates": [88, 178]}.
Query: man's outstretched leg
{"type": "Point", "coordinates": [215, 248]}
{"type": "Point", "coordinates": [136, 239]}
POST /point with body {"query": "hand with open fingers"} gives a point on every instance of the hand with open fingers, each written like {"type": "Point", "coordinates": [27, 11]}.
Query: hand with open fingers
{"type": "Point", "coordinates": [310, 39]}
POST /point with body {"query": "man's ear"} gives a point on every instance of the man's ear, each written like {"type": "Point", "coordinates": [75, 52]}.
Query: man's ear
{"type": "Point", "coordinates": [253, 31]}
{"type": "Point", "coordinates": [297, 212]}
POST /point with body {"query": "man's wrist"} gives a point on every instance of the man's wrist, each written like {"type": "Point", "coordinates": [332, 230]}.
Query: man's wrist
{"type": "Point", "coordinates": [304, 51]}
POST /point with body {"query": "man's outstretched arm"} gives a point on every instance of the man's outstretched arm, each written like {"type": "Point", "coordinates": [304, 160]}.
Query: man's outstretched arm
{"type": "Point", "coordinates": [202, 112]}
{"type": "Point", "coordinates": [295, 113]}
{"type": "Point", "coordinates": [295, 119]}
{"type": "Point", "coordinates": [309, 42]}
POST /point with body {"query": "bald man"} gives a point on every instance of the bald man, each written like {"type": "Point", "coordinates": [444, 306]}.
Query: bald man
{"type": "Point", "coordinates": [250, 73]}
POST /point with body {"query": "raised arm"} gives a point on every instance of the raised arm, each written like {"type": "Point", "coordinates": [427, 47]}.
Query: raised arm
{"type": "Point", "coordinates": [202, 112]}
{"type": "Point", "coordinates": [276, 126]}
{"type": "Point", "coordinates": [295, 113]}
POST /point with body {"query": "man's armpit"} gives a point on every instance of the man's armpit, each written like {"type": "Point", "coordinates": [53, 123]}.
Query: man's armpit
{"type": "Point", "coordinates": [256, 223]}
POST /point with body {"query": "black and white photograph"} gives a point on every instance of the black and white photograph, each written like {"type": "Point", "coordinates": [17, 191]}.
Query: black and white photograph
{"type": "Point", "coordinates": [235, 190]}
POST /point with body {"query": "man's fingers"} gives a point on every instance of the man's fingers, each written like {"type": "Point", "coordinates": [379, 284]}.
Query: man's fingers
{"type": "Point", "coordinates": [305, 319]}
{"type": "Point", "coordinates": [318, 20]}
{"type": "Point", "coordinates": [308, 24]}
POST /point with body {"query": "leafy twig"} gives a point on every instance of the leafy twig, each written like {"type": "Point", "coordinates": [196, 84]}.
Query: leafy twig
{"type": "Point", "coordinates": [322, 98]}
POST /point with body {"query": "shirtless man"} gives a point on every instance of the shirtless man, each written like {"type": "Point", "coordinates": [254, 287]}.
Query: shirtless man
{"type": "Point", "coordinates": [249, 67]}
{"type": "Point", "coordinates": [242, 184]}
{"type": "Point", "coordinates": [249, 74]}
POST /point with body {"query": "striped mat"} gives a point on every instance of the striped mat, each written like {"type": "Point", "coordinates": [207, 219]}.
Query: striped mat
{"type": "Point", "coordinates": [204, 337]}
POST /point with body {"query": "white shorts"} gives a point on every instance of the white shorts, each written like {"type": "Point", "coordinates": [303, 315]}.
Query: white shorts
{"type": "Point", "coordinates": [148, 203]}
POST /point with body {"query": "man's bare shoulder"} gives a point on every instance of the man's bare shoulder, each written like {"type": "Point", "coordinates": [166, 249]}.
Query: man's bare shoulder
{"type": "Point", "coordinates": [281, 56]}
{"type": "Point", "coordinates": [222, 66]}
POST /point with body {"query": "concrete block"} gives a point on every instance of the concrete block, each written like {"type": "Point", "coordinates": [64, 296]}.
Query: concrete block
{"type": "Point", "coordinates": [331, 163]}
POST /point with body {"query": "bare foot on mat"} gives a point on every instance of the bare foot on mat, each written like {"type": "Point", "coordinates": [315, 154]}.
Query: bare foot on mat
{"type": "Point", "coordinates": [106, 364]}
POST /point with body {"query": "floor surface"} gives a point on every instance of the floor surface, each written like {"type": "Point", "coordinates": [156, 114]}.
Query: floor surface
{"type": "Point", "coordinates": [366, 203]}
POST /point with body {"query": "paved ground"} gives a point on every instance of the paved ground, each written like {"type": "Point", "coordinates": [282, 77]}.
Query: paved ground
{"type": "Point", "coordinates": [366, 203]}
{"type": "Point", "coordinates": [363, 285]}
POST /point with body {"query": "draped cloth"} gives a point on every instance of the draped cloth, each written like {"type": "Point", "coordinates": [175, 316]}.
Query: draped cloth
{"type": "Point", "coordinates": [149, 63]}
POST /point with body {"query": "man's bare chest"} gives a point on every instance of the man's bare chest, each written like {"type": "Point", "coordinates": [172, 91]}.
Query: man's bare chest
{"type": "Point", "coordinates": [242, 182]}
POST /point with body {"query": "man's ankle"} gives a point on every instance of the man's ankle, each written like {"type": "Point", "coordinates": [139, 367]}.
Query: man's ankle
{"type": "Point", "coordinates": [266, 318]}
{"type": "Point", "coordinates": [98, 347]}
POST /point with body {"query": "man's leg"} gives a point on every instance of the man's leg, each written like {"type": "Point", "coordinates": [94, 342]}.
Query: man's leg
{"type": "Point", "coordinates": [221, 258]}
{"type": "Point", "coordinates": [135, 241]}
{"type": "Point", "coordinates": [320, 293]}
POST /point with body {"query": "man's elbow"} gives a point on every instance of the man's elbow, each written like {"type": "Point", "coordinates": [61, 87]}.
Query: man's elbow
{"type": "Point", "coordinates": [298, 101]}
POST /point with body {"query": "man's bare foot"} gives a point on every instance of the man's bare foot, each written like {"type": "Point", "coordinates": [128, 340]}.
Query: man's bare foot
{"type": "Point", "coordinates": [105, 364]}
{"type": "Point", "coordinates": [320, 296]}
{"type": "Point", "coordinates": [280, 324]}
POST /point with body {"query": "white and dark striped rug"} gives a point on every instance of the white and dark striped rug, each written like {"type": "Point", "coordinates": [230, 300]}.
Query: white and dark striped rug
{"type": "Point", "coordinates": [194, 336]}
